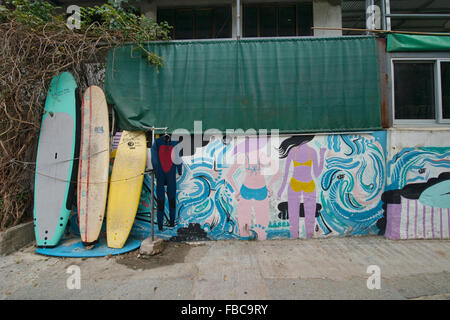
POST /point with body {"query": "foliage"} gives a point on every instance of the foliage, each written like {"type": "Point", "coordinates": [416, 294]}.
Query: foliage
{"type": "Point", "coordinates": [136, 28]}
{"type": "Point", "coordinates": [32, 13]}
{"type": "Point", "coordinates": [36, 45]}
{"type": "Point", "coordinates": [121, 22]}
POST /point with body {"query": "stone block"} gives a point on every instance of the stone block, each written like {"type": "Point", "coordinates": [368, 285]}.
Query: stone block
{"type": "Point", "coordinates": [151, 248]}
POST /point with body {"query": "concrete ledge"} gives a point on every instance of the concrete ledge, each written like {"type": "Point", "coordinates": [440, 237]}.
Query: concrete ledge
{"type": "Point", "coordinates": [16, 237]}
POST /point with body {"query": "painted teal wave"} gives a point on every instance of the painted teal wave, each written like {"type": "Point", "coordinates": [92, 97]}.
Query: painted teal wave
{"type": "Point", "coordinates": [360, 166]}
{"type": "Point", "coordinates": [412, 165]}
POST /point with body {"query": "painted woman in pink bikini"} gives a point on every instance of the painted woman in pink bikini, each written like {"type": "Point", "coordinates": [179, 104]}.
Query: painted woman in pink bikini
{"type": "Point", "coordinates": [253, 193]}
{"type": "Point", "coordinates": [301, 185]}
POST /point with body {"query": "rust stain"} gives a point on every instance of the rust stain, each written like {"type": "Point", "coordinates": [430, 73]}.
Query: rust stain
{"type": "Point", "coordinates": [384, 102]}
{"type": "Point", "coordinates": [441, 253]}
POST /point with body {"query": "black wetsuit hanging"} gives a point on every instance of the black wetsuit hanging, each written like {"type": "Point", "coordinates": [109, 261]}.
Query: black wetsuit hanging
{"type": "Point", "coordinates": [165, 173]}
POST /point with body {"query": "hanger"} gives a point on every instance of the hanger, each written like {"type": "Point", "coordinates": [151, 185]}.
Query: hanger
{"type": "Point", "coordinates": [166, 136]}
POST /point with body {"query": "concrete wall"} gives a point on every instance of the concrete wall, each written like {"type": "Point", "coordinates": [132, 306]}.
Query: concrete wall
{"type": "Point", "coordinates": [394, 183]}
{"type": "Point", "coordinates": [343, 180]}
{"type": "Point", "coordinates": [326, 13]}
{"type": "Point", "coordinates": [417, 200]}
{"type": "Point", "coordinates": [16, 237]}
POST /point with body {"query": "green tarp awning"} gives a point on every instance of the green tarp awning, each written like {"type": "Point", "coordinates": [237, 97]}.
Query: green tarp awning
{"type": "Point", "coordinates": [294, 85]}
{"type": "Point", "coordinates": [397, 42]}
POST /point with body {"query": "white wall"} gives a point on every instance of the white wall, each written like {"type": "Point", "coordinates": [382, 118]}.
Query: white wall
{"type": "Point", "coordinates": [327, 13]}
{"type": "Point", "coordinates": [400, 138]}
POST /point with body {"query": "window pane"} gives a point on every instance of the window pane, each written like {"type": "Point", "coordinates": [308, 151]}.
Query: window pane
{"type": "Point", "coordinates": [268, 18]}
{"type": "Point", "coordinates": [445, 85]}
{"type": "Point", "coordinates": [203, 24]}
{"type": "Point", "coordinates": [286, 21]}
{"type": "Point", "coordinates": [250, 22]}
{"type": "Point", "coordinates": [414, 90]}
{"type": "Point", "coordinates": [184, 24]}
{"type": "Point", "coordinates": [305, 19]}
{"type": "Point", "coordinates": [222, 17]}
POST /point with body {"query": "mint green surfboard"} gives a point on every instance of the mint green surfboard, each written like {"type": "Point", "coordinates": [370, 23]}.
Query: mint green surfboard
{"type": "Point", "coordinates": [56, 161]}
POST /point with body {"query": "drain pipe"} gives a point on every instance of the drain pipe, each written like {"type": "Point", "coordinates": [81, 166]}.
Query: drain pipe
{"type": "Point", "coordinates": [387, 12]}
{"type": "Point", "coordinates": [383, 14]}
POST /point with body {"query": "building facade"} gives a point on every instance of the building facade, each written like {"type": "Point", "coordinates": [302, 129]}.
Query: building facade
{"type": "Point", "coordinates": [363, 120]}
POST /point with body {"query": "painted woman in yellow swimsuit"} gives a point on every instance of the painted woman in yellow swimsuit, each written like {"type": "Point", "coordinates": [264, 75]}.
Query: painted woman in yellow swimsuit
{"type": "Point", "coordinates": [305, 160]}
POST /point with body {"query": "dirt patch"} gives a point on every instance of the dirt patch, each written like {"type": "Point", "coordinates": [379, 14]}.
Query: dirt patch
{"type": "Point", "coordinates": [441, 253]}
{"type": "Point", "coordinates": [173, 253]}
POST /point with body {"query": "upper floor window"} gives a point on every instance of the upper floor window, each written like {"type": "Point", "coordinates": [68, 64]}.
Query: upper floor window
{"type": "Point", "coordinates": [197, 23]}
{"type": "Point", "coordinates": [277, 20]}
{"type": "Point", "coordinates": [421, 91]}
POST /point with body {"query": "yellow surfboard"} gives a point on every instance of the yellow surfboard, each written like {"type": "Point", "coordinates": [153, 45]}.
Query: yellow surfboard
{"type": "Point", "coordinates": [93, 167]}
{"type": "Point", "coordinates": [125, 187]}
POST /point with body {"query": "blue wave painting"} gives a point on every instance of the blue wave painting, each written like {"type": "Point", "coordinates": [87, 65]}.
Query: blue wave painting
{"type": "Point", "coordinates": [415, 165]}
{"type": "Point", "coordinates": [352, 183]}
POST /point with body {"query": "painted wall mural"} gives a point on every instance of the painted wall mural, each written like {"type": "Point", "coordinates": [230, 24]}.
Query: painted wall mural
{"type": "Point", "coordinates": [291, 187]}
{"type": "Point", "coordinates": [417, 197]}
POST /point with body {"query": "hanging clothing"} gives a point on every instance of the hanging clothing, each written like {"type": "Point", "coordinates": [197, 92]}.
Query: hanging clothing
{"type": "Point", "coordinates": [165, 173]}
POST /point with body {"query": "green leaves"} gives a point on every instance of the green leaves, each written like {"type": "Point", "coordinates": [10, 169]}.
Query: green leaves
{"type": "Point", "coordinates": [123, 24]}
{"type": "Point", "coordinates": [33, 13]}
{"type": "Point", "coordinates": [134, 27]}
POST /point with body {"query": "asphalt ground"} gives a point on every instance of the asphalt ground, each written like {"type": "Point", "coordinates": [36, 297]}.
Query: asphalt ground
{"type": "Point", "coordinates": [346, 268]}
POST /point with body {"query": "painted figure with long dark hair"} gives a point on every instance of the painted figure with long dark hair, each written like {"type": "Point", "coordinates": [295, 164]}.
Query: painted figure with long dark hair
{"type": "Point", "coordinates": [305, 160]}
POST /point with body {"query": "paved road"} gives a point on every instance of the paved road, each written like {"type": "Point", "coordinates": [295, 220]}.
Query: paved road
{"type": "Point", "coordinates": [329, 268]}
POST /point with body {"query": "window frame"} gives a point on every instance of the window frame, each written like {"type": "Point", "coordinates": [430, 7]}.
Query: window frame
{"type": "Point", "coordinates": [438, 118]}
{"type": "Point", "coordinates": [441, 119]}
{"type": "Point", "coordinates": [194, 9]}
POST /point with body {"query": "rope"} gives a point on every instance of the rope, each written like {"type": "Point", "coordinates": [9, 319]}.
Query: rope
{"type": "Point", "coordinates": [64, 161]}
{"type": "Point", "coordinates": [26, 163]}
{"type": "Point", "coordinates": [90, 182]}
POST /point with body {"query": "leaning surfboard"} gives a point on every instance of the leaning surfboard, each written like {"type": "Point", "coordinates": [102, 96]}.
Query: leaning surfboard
{"type": "Point", "coordinates": [93, 166]}
{"type": "Point", "coordinates": [125, 187]}
{"type": "Point", "coordinates": [56, 160]}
